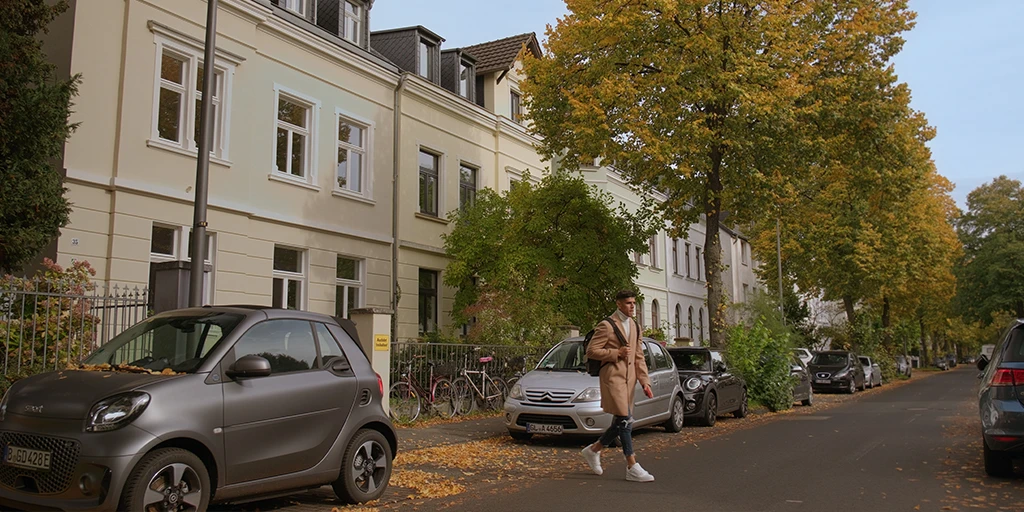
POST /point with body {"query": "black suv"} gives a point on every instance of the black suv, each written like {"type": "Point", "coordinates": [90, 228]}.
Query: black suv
{"type": "Point", "coordinates": [709, 387]}
{"type": "Point", "coordinates": [199, 405]}
{"type": "Point", "coordinates": [836, 370]}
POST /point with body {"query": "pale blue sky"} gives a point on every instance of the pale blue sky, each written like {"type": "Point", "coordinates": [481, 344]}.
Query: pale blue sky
{"type": "Point", "coordinates": [962, 62]}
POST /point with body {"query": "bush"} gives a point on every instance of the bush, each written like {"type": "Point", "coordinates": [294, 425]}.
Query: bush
{"type": "Point", "coordinates": [45, 321]}
{"type": "Point", "coordinates": [762, 359]}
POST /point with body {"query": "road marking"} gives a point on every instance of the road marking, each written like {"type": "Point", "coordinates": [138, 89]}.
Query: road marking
{"type": "Point", "coordinates": [807, 418]}
{"type": "Point", "coordinates": [793, 501]}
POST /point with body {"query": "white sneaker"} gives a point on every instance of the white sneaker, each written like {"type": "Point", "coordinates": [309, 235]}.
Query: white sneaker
{"type": "Point", "coordinates": [593, 459]}
{"type": "Point", "coordinates": [638, 474]}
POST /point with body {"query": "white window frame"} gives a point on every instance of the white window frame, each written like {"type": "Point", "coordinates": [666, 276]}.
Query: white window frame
{"type": "Point", "coordinates": [313, 118]}
{"type": "Point", "coordinates": [476, 179]}
{"type": "Point", "coordinates": [357, 16]}
{"type": "Point", "coordinates": [512, 114]}
{"type": "Point", "coordinates": [182, 236]}
{"type": "Point", "coordinates": [297, 6]}
{"type": "Point", "coordinates": [440, 180]}
{"type": "Point", "coordinates": [369, 128]}
{"type": "Point", "coordinates": [287, 276]}
{"type": "Point", "coordinates": [359, 283]}
{"type": "Point", "coordinates": [652, 244]}
{"type": "Point", "coordinates": [166, 41]}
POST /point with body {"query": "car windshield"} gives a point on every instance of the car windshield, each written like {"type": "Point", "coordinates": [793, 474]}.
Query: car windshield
{"type": "Point", "coordinates": [164, 344]}
{"type": "Point", "coordinates": [691, 361]}
{"type": "Point", "coordinates": [567, 356]}
{"type": "Point", "coordinates": [826, 359]}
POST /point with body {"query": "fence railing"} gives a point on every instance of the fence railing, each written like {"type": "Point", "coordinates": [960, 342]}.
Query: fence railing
{"type": "Point", "coordinates": [449, 359]}
{"type": "Point", "coordinates": [45, 326]}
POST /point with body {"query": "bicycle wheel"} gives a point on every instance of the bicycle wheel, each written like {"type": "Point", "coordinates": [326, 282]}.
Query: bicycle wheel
{"type": "Point", "coordinates": [443, 403]}
{"type": "Point", "coordinates": [465, 401]}
{"type": "Point", "coordinates": [404, 403]}
{"type": "Point", "coordinates": [495, 394]}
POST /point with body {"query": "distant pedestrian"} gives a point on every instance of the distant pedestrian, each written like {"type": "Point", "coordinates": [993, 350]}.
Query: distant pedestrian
{"type": "Point", "coordinates": [617, 345]}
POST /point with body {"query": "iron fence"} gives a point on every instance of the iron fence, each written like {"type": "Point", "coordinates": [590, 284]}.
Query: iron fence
{"type": "Point", "coordinates": [48, 326]}
{"type": "Point", "coordinates": [449, 358]}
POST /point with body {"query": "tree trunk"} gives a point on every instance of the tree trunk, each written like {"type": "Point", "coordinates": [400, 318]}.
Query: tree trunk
{"type": "Point", "coordinates": [713, 250]}
{"type": "Point", "coordinates": [885, 312]}
{"type": "Point", "coordinates": [851, 315]}
{"type": "Point", "coordinates": [1020, 309]}
{"type": "Point", "coordinates": [924, 342]}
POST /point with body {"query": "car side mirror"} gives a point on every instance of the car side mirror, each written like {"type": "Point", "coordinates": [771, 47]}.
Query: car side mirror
{"type": "Point", "coordinates": [720, 367]}
{"type": "Point", "coordinates": [249, 366]}
{"type": "Point", "coordinates": [982, 363]}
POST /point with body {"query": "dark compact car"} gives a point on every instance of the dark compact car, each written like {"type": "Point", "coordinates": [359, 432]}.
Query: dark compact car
{"type": "Point", "coordinates": [836, 370]}
{"type": "Point", "coordinates": [709, 388]}
{"type": "Point", "coordinates": [200, 405]}
{"type": "Point", "coordinates": [1001, 402]}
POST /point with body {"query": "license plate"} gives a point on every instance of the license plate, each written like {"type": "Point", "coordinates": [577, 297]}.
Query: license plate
{"type": "Point", "coordinates": [540, 428]}
{"type": "Point", "coordinates": [822, 381]}
{"type": "Point", "coordinates": [26, 458]}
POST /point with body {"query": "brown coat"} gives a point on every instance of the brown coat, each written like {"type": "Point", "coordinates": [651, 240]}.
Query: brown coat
{"type": "Point", "coordinates": [619, 376]}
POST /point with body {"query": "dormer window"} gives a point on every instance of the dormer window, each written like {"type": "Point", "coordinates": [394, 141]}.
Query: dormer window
{"type": "Point", "coordinates": [296, 6]}
{"type": "Point", "coordinates": [352, 26]}
{"type": "Point", "coordinates": [426, 60]}
{"type": "Point", "coordinates": [466, 81]}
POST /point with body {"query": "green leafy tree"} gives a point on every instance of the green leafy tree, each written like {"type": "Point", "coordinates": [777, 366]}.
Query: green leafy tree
{"type": "Point", "coordinates": [707, 101]}
{"type": "Point", "coordinates": [34, 110]}
{"type": "Point", "coordinates": [540, 256]}
{"type": "Point", "coordinates": [991, 277]}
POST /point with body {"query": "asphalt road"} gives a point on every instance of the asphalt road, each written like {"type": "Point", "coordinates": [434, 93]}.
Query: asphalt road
{"type": "Point", "coordinates": [912, 447]}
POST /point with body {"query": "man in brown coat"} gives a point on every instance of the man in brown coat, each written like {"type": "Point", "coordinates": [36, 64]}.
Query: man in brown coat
{"type": "Point", "coordinates": [618, 347]}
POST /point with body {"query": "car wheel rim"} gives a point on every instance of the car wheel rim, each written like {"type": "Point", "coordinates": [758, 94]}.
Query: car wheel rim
{"type": "Point", "coordinates": [712, 409]}
{"type": "Point", "coordinates": [175, 487]}
{"type": "Point", "coordinates": [369, 466]}
{"type": "Point", "coordinates": [677, 414]}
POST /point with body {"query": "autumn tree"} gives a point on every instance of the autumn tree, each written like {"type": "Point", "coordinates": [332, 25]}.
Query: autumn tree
{"type": "Point", "coordinates": [34, 110]}
{"type": "Point", "coordinates": [706, 101]}
{"type": "Point", "coordinates": [991, 276]}
{"type": "Point", "coordinates": [540, 256]}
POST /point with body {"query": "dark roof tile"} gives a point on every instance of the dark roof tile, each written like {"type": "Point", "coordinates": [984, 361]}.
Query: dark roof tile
{"type": "Point", "coordinates": [501, 54]}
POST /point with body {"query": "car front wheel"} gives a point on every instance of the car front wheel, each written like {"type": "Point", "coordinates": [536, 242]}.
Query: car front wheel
{"type": "Point", "coordinates": [711, 410]}
{"type": "Point", "coordinates": [853, 387]}
{"type": "Point", "coordinates": [366, 468]}
{"type": "Point", "coordinates": [809, 401]}
{"type": "Point", "coordinates": [168, 479]}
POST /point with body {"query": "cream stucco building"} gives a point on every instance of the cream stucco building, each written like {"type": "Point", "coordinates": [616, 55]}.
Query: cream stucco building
{"type": "Point", "coordinates": [331, 156]}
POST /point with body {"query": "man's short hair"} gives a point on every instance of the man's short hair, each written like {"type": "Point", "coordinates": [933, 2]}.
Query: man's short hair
{"type": "Point", "coordinates": [624, 294]}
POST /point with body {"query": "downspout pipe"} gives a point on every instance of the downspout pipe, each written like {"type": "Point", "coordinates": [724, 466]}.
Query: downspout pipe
{"type": "Point", "coordinates": [396, 151]}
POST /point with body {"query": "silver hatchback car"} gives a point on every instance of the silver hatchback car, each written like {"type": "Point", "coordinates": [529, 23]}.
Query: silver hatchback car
{"type": "Point", "coordinates": [202, 405]}
{"type": "Point", "coordinates": [560, 397]}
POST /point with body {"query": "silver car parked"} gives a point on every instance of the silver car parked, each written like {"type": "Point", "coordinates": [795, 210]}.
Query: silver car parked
{"type": "Point", "coordinates": [872, 373]}
{"type": "Point", "coordinates": [560, 397]}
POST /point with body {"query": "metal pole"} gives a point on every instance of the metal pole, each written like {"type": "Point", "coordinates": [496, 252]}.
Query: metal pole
{"type": "Point", "coordinates": [195, 290]}
{"type": "Point", "coordinates": [778, 253]}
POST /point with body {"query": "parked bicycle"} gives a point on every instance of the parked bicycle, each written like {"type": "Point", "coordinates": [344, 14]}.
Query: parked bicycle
{"type": "Point", "coordinates": [406, 396]}
{"type": "Point", "coordinates": [519, 363]}
{"type": "Point", "coordinates": [490, 393]}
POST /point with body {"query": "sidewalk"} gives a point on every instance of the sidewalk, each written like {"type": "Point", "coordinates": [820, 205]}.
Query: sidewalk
{"type": "Point", "coordinates": [415, 437]}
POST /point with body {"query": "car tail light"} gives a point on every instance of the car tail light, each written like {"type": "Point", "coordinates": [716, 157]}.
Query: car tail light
{"type": "Point", "coordinates": [380, 384]}
{"type": "Point", "coordinates": [1007, 377]}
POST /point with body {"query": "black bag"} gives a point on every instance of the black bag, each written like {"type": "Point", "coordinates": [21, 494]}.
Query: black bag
{"type": "Point", "coordinates": [593, 365]}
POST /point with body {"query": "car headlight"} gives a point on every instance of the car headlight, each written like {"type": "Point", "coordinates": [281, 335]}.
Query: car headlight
{"type": "Point", "coordinates": [516, 393]}
{"type": "Point", "coordinates": [589, 395]}
{"type": "Point", "coordinates": [115, 412]}
{"type": "Point", "coordinates": [3, 404]}
{"type": "Point", "coordinates": [693, 384]}
{"type": "Point", "coordinates": [840, 374]}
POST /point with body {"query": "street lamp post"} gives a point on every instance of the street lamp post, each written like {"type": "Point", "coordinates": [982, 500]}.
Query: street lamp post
{"type": "Point", "coordinates": [198, 266]}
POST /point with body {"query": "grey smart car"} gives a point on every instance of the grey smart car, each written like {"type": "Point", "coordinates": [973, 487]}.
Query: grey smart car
{"type": "Point", "coordinates": [200, 405]}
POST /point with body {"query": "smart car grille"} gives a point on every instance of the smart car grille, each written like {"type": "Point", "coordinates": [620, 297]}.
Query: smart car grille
{"type": "Point", "coordinates": [566, 422]}
{"type": "Point", "coordinates": [549, 396]}
{"type": "Point", "coordinates": [63, 459]}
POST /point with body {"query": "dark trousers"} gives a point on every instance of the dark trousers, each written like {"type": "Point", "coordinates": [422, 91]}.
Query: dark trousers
{"type": "Point", "coordinates": [622, 428]}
